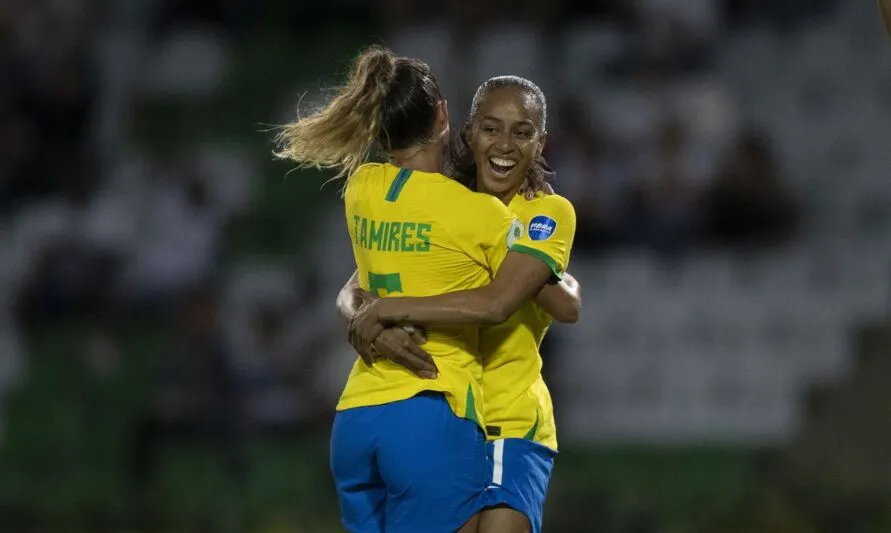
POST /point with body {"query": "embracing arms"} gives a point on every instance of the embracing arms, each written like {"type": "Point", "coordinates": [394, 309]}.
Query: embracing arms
{"type": "Point", "coordinates": [488, 305]}
{"type": "Point", "coordinates": [396, 344]}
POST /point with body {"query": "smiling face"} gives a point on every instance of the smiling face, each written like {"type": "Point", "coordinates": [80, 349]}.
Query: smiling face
{"type": "Point", "coordinates": [506, 137]}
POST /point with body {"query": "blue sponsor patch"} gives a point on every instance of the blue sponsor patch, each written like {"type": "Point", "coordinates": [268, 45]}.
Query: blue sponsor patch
{"type": "Point", "coordinates": [541, 227]}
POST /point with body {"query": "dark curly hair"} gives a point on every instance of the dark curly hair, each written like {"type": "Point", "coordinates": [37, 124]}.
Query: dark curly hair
{"type": "Point", "coordinates": [460, 163]}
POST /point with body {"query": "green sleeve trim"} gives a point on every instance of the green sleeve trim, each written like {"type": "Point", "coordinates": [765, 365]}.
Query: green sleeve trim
{"type": "Point", "coordinates": [556, 273]}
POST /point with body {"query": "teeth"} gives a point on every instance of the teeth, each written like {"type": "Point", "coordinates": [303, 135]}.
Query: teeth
{"type": "Point", "coordinates": [502, 162]}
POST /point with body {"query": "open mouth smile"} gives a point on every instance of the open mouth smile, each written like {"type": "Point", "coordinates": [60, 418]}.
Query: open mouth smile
{"type": "Point", "coordinates": [501, 167]}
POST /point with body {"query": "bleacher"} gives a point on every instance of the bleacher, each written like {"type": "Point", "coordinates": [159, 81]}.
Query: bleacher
{"type": "Point", "coordinates": [721, 350]}
{"type": "Point", "coordinates": [723, 347]}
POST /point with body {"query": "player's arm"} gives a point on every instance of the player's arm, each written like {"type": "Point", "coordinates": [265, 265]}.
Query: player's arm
{"type": "Point", "coordinates": [536, 256]}
{"type": "Point", "coordinates": [521, 276]}
{"type": "Point", "coordinates": [563, 300]}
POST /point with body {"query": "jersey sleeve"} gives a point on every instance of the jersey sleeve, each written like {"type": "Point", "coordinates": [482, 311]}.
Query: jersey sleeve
{"type": "Point", "coordinates": [549, 233]}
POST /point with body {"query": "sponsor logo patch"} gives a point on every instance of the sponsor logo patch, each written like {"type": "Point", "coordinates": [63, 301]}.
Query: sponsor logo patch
{"type": "Point", "coordinates": [541, 227]}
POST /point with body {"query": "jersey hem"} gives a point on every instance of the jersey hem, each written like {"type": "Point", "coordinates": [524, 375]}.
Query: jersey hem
{"type": "Point", "coordinates": [548, 447]}
{"type": "Point", "coordinates": [451, 398]}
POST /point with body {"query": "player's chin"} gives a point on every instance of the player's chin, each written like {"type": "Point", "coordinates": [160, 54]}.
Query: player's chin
{"type": "Point", "coordinates": [496, 182]}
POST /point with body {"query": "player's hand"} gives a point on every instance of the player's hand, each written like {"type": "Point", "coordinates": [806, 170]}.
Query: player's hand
{"type": "Point", "coordinates": [364, 329]}
{"type": "Point", "coordinates": [365, 297]}
{"type": "Point", "coordinates": [402, 347]}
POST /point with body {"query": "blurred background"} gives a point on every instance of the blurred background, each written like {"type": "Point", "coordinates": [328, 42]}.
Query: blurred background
{"type": "Point", "coordinates": [169, 350]}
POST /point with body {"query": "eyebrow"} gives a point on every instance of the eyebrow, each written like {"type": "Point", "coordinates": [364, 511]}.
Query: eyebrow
{"type": "Point", "coordinates": [527, 121]}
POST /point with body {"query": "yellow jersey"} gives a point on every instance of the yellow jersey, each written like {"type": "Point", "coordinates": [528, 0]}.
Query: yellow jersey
{"type": "Point", "coordinates": [415, 233]}
{"type": "Point", "coordinates": [518, 404]}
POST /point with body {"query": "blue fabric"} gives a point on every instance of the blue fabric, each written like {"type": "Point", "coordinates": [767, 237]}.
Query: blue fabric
{"type": "Point", "coordinates": [407, 467]}
{"type": "Point", "coordinates": [520, 471]}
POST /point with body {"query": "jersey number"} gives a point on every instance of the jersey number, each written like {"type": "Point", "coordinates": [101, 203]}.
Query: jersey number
{"type": "Point", "coordinates": [384, 284]}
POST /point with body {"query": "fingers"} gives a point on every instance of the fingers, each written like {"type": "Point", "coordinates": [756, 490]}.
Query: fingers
{"type": "Point", "coordinates": [417, 333]}
{"type": "Point", "coordinates": [371, 333]}
{"type": "Point", "coordinates": [421, 361]}
{"type": "Point", "coordinates": [365, 329]}
{"type": "Point", "coordinates": [367, 358]}
{"type": "Point", "coordinates": [353, 339]}
{"type": "Point", "coordinates": [356, 343]}
{"type": "Point", "coordinates": [418, 337]}
{"type": "Point", "coordinates": [411, 356]}
{"type": "Point", "coordinates": [365, 342]}
{"type": "Point", "coordinates": [367, 296]}
{"type": "Point", "coordinates": [362, 335]}
{"type": "Point", "coordinates": [396, 345]}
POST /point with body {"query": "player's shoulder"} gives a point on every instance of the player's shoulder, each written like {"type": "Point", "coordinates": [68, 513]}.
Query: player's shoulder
{"type": "Point", "coordinates": [455, 197]}
{"type": "Point", "coordinates": [552, 201]}
{"type": "Point", "coordinates": [549, 204]}
{"type": "Point", "coordinates": [486, 199]}
{"type": "Point", "coordinates": [371, 166]}
{"type": "Point", "coordinates": [485, 206]}
{"type": "Point", "coordinates": [436, 191]}
{"type": "Point", "coordinates": [443, 183]}
{"type": "Point", "coordinates": [546, 215]}
{"type": "Point", "coordinates": [470, 213]}
{"type": "Point", "coordinates": [369, 169]}
{"type": "Point", "coordinates": [364, 176]}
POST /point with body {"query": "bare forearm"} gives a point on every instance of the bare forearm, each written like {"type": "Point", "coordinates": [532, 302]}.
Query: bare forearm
{"type": "Point", "coordinates": [519, 279]}
{"type": "Point", "coordinates": [562, 301]}
{"type": "Point", "coordinates": [461, 308]}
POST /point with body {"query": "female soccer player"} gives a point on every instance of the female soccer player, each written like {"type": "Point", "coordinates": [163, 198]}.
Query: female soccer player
{"type": "Point", "coordinates": [407, 453]}
{"type": "Point", "coordinates": [498, 152]}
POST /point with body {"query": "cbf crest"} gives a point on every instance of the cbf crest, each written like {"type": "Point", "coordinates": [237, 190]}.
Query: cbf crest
{"type": "Point", "coordinates": [515, 233]}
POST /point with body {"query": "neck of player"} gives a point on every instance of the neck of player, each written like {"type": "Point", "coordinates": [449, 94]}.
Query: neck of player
{"type": "Point", "coordinates": [426, 158]}
{"type": "Point", "coordinates": [504, 196]}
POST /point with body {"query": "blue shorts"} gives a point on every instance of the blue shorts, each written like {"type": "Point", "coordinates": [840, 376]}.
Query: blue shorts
{"type": "Point", "coordinates": [520, 471]}
{"type": "Point", "coordinates": [408, 466]}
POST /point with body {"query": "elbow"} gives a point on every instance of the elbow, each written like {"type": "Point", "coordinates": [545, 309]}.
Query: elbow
{"type": "Point", "coordinates": [341, 304]}
{"type": "Point", "coordinates": [570, 313]}
{"type": "Point", "coordinates": [342, 310]}
{"type": "Point", "coordinates": [346, 304]}
{"type": "Point", "coordinates": [496, 313]}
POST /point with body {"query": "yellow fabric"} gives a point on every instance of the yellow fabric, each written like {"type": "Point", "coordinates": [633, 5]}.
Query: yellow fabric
{"type": "Point", "coordinates": [518, 404]}
{"type": "Point", "coordinates": [421, 236]}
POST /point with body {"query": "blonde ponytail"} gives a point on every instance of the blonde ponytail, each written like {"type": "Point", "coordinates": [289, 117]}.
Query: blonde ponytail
{"type": "Point", "coordinates": [342, 134]}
